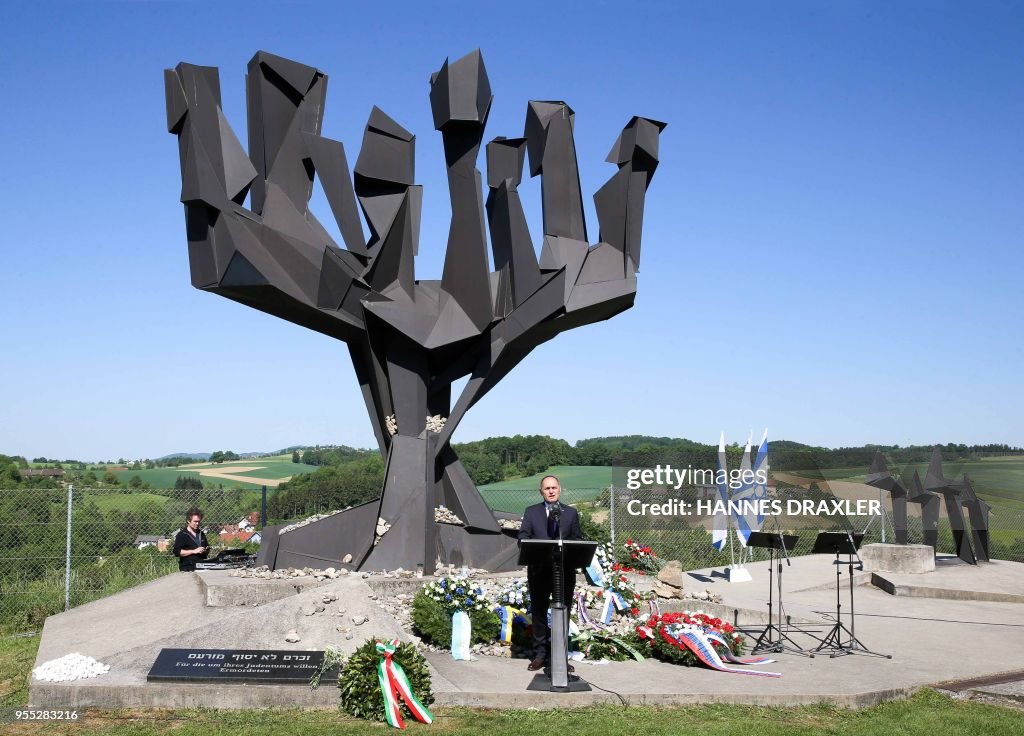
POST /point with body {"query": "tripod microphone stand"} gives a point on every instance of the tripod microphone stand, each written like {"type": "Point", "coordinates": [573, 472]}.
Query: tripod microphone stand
{"type": "Point", "coordinates": [845, 542]}
{"type": "Point", "coordinates": [774, 637]}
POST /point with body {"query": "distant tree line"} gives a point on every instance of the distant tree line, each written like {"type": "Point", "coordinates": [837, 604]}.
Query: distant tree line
{"type": "Point", "coordinates": [330, 487]}
{"type": "Point", "coordinates": [329, 455]}
{"type": "Point", "coordinates": [504, 458]}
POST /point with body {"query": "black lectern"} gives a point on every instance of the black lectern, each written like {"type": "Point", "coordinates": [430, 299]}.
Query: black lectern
{"type": "Point", "coordinates": [564, 556]}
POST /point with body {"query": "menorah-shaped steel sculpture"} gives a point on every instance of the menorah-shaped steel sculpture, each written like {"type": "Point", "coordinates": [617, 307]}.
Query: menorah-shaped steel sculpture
{"type": "Point", "coordinates": [409, 340]}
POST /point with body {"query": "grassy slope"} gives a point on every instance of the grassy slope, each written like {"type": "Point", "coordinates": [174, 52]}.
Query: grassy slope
{"type": "Point", "coordinates": [17, 655]}
{"type": "Point", "coordinates": [581, 481]}
{"type": "Point", "coordinates": [576, 477]}
{"type": "Point", "coordinates": [125, 501]}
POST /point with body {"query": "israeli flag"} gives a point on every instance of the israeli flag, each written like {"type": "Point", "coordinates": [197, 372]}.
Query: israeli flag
{"type": "Point", "coordinates": [761, 464]}
{"type": "Point", "coordinates": [720, 528]}
{"type": "Point", "coordinates": [752, 520]}
{"type": "Point", "coordinates": [745, 520]}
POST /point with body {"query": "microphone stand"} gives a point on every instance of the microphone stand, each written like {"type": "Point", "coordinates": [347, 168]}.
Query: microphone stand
{"type": "Point", "coordinates": [833, 641]}
{"type": "Point", "coordinates": [559, 633]}
{"type": "Point", "coordinates": [764, 642]}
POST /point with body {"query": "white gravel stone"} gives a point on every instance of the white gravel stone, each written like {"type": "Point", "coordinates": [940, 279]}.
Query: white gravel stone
{"type": "Point", "coordinates": [70, 667]}
{"type": "Point", "coordinates": [444, 515]}
{"type": "Point", "coordinates": [308, 520]}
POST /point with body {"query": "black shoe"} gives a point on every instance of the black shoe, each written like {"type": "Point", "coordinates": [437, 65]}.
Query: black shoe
{"type": "Point", "coordinates": [537, 663]}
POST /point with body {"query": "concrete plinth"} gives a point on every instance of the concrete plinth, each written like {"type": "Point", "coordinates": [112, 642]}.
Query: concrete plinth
{"type": "Point", "coordinates": [906, 559]}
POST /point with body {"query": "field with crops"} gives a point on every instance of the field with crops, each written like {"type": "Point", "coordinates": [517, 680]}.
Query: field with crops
{"type": "Point", "coordinates": [246, 473]}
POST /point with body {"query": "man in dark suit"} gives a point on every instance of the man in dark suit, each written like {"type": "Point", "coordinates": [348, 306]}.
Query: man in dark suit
{"type": "Point", "coordinates": [549, 519]}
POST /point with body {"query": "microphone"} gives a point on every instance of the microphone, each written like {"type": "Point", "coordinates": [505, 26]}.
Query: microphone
{"type": "Point", "coordinates": [556, 513]}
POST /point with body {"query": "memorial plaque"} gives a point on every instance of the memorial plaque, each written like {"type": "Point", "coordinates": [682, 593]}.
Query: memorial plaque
{"type": "Point", "coordinates": [246, 666]}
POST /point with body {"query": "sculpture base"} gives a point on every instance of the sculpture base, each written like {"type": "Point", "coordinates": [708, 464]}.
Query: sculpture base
{"type": "Point", "coordinates": [901, 558]}
{"type": "Point", "coordinates": [346, 540]}
{"type": "Point", "coordinates": [737, 574]}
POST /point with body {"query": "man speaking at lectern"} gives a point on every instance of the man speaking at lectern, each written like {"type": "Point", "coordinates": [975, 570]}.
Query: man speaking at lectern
{"type": "Point", "coordinates": [549, 519]}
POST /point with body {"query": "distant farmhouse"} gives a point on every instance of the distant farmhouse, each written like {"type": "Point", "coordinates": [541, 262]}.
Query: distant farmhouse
{"type": "Point", "coordinates": [242, 532]}
{"type": "Point", "coordinates": [41, 473]}
{"type": "Point", "coordinates": [148, 540]}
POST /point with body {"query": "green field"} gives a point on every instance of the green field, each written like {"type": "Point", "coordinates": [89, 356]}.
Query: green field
{"type": "Point", "coordinates": [134, 501]}
{"type": "Point", "coordinates": [575, 477]}
{"type": "Point", "coordinates": [276, 467]}
{"type": "Point", "coordinates": [997, 480]}
{"type": "Point", "coordinates": [579, 483]}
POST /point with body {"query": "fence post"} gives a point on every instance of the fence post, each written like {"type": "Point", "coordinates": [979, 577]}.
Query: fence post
{"type": "Point", "coordinates": [882, 509]}
{"type": "Point", "coordinates": [67, 555]}
{"type": "Point", "coordinates": [611, 511]}
{"type": "Point", "coordinates": [263, 509]}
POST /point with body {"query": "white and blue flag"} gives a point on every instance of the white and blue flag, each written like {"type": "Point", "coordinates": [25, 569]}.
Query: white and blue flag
{"type": "Point", "coordinates": [720, 528]}
{"type": "Point", "coordinates": [761, 471]}
{"type": "Point", "coordinates": [749, 518]}
{"type": "Point", "coordinates": [745, 522]}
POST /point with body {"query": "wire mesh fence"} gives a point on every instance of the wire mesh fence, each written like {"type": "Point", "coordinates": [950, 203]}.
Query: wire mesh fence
{"type": "Point", "coordinates": [64, 547]}
{"type": "Point", "coordinates": [61, 548]}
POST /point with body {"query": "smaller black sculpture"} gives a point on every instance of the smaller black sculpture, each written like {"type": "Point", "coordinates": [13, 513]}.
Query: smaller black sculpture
{"type": "Point", "coordinates": [957, 496]}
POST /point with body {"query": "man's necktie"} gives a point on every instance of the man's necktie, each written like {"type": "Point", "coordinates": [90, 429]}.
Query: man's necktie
{"type": "Point", "coordinates": [552, 525]}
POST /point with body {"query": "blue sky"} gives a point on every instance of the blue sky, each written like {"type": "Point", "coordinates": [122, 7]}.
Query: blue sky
{"type": "Point", "coordinates": [832, 244]}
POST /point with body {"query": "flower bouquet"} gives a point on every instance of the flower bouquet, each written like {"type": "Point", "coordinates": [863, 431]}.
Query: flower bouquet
{"type": "Point", "coordinates": [437, 602]}
{"type": "Point", "coordinates": [513, 605]}
{"type": "Point", "coordinates": [456, 593]}
{"type": "Point", "coordinates": [660, 636]}
{"type": "Point", "coordinates": [687, 638]}
{"type": "Point", "coordinates": [606, 619]}
{"type": "Point", "coordinates": [640, 558]}
{"type": "Point", "coordinates": [515, 594]}
{"type": "Point", "coordinates": [597, 645]}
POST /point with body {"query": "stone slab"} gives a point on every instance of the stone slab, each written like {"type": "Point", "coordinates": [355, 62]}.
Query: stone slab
{"type": "Point", "coordinates": [222, 590]}
{"type": "Point", "coordinates": [246, 666]}
{"type": "Point", "coordinates": [999, 581]}
{"type": "Point", "coordinates": [908, 559]}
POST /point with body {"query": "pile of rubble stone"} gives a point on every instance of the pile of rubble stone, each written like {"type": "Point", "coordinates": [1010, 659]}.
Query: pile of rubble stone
{"type": "Point", "coordinates": [668, 584]}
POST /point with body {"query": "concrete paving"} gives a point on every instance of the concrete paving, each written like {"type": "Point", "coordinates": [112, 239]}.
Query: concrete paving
{"type": "Point", "coordinates": [997, 581]}
{"type": "Point", "coordinates": [931, 640]}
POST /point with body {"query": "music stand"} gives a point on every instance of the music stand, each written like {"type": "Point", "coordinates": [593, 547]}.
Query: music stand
{"type": "Point", "coordinates": [842, 543]}
{"type": "Point", "coordinates": [564, 556]}
{"type": "Point", "coordinates": [773, 541]}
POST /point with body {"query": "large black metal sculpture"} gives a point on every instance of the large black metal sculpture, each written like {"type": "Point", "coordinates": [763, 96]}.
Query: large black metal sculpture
{"type": "Point", "coordinates": [409, 340]}
{"type": "Point", "coordinates": [957, 496]}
